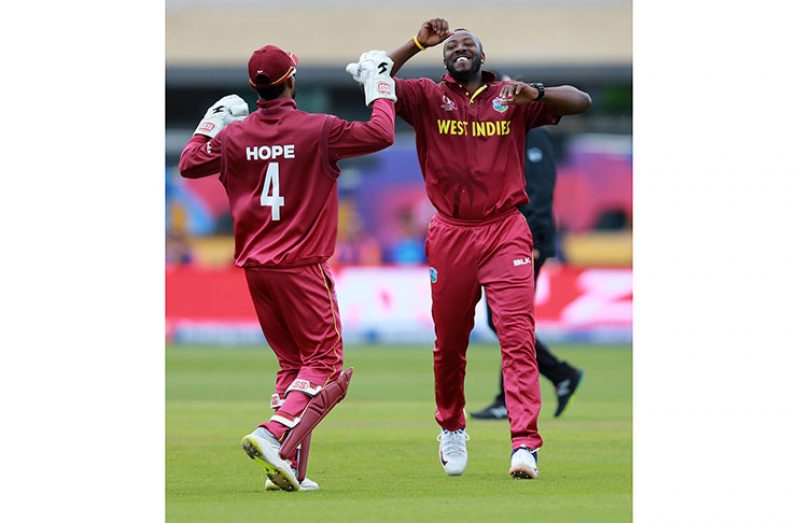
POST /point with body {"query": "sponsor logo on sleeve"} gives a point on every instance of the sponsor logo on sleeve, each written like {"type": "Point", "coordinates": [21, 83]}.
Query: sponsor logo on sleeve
{"type": "Point", "coordinates": [521, 261]}
{"type": "Point", "coordinates": [433, 274]}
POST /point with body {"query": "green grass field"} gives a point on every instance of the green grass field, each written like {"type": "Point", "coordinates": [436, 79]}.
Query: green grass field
{"type": "Point", "coordinates": [375, 456]}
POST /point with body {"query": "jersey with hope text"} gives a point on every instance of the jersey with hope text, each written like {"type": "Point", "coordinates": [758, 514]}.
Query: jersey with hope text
{"type": "Point", "coordinates": [470, 146]}
{"type": "Point", "coordinates": [279, 169]}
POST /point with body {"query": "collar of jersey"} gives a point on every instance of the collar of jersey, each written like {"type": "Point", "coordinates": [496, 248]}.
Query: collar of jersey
{"type": "Point", "coordinates": [278, 105]}
{"type": "Point", "coordinates": [488, 78]}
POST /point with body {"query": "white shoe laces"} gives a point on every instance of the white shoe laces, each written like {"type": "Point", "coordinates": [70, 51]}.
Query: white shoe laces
{"type": "Point", "coordinates": [453, 441]}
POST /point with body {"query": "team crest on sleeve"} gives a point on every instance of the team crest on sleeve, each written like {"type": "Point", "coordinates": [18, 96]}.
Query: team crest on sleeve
{"type": "Point", "coordinates": [498, 105]}
{"type": "Point", "coordinates": [433, 274]}
{"type": "Point", "coordinates": [448, 104]}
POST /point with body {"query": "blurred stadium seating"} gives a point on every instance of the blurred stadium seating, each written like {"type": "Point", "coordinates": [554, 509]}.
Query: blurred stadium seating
{"type": "Point", "coordinates": [384, 210]}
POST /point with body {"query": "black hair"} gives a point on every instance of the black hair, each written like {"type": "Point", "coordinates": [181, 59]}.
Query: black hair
{"type": "Point", "coordinates": [479, 42]}
{"type": "Point", "coordinates": [268, 93]}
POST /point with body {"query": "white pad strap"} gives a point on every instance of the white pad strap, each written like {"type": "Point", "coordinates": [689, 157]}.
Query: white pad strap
{"type": "Point", "coordinates": [277, 401]}
{"type": "Point", "coordinates": [290, 423]}
{"type": "Point", "coordinates": [303, 386]}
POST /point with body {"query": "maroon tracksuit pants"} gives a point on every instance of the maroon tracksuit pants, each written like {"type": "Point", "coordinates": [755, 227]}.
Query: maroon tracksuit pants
{"type": "Point", "coordinates": [495, 254]}
{"type": "Point", "coordinates": [298, 313]}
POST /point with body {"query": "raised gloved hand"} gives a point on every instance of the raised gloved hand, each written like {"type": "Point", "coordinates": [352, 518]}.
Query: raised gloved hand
{"type": "Point", "coordinates": [226, 110]}
{"type": "Point", "coordinates": [354, 69]}
{"type": "Point", "coordinates": [373, 71]}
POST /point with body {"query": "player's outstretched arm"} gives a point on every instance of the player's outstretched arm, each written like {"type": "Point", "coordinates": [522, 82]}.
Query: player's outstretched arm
{"type": "Point", "coordinates": [200, 157]}
{"type": "Point", "coordinates": [566, 99]}
{"type": "Point", "coordinates": [432, 33]}
{"type": "Point", "coordinates": [202, 154]}
{"type": "Point", "coordinates": [349, 139]}
{"type": "Point", "coordinates": [358, 138]}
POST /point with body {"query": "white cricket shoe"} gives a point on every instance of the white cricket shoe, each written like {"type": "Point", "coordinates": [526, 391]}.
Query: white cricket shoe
{"type": "Point", "coordinates": [524, 463]}
{"type": "Point", "coordinates": [453, 453]}
{"type": "Point", "coordinates": [305, 485]}
{"type": "Point", "coordinates": [264, 448]}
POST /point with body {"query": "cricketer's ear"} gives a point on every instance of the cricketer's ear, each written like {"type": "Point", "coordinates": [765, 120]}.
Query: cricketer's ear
{"type": "Point", "coordinates": [290, 85]}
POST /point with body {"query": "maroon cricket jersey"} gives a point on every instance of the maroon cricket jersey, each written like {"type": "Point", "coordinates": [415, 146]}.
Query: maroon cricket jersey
{"type": "Point", "coordinates": [470, 146]}
{"type": "Point", "coordinates": [279, 169]}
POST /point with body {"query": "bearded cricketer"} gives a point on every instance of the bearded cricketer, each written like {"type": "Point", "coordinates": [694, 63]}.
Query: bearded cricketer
{"type": "Point", "coordinates": [470, 138]}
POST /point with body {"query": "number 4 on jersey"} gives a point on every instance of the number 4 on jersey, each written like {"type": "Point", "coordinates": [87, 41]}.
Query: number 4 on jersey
{"type": "Point", "coordinates": [275, 201]}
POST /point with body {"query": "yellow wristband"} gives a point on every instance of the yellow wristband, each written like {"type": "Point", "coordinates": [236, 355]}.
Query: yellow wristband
{"type": "Point", "coordinates": [418, 44]}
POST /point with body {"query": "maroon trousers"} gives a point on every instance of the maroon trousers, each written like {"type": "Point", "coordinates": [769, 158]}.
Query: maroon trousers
{"type": "Point", "coordinates": [495, 254]}
{"type": "Point", "coordinates": [298, 313]}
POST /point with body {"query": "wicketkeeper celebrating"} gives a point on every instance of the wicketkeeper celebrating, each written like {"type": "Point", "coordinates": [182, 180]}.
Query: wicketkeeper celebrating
{"type": "Point", "coordinates": [470, 135]}
{"type": "Point", "coordinates": [279, 168]}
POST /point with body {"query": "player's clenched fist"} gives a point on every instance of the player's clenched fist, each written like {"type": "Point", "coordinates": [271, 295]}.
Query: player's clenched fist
{"type": "Point", "coordinates": [226, 110]}
{"type": "Point", "coordinates": [433, 32]}
{"type": "Point", "coordinates": [373, 71]}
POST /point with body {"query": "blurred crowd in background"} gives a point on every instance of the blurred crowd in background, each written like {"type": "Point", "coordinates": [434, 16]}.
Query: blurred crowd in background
{"type": "Point", "coordinates": [384, 211]}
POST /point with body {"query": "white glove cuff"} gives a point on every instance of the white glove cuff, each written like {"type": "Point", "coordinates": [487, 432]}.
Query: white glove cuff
{"type": "Point", "coordinates": [210, 126]}
{"type": "Point", "coordinates": [379, 87]}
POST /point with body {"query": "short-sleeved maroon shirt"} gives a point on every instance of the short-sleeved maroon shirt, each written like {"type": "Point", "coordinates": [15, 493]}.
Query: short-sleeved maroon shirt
{"type": "Point", "coordinates": [470, 146]}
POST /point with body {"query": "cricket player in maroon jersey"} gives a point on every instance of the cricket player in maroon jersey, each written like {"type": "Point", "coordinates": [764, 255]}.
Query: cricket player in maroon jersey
{"type": "Point", "coordinates": [470, 135]}
{"type": "Point", "coordinates": [279, 168]}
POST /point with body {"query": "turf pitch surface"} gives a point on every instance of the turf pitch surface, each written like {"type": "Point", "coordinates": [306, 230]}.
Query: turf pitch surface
{"type": "Point", "coordinates": [375, 456]}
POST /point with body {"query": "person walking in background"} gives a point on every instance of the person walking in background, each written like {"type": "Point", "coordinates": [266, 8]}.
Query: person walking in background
{"type": "Point", "coordinates": [279, 168]}
{"type": "Point", "coordinates": [541, 174]}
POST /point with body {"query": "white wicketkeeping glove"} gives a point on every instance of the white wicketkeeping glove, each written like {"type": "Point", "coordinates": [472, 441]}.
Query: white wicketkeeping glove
{"type": "Point", "coordinates": [354, 70]}
{"type": "Point", "coordinates": [226, 110]}
{"type": "Point", "coordinates": [373, 71]}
